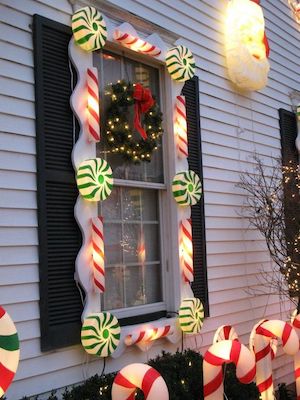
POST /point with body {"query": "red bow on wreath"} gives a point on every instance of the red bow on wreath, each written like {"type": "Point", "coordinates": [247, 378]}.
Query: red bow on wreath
{"type": "Point", "coordinates": [143, 101]}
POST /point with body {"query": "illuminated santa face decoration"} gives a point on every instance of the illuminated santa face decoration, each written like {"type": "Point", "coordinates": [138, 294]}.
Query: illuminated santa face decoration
{"type": "Point", "coordinates": [295, 6]}
{"type": "Point", "coordinates": [246, 45]}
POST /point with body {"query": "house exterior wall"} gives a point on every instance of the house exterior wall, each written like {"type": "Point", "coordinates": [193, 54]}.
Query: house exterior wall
{"type": "Point", "coordinates": [233, 126]}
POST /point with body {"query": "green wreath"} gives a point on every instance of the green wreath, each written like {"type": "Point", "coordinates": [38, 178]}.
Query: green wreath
{"type": "Point", "coordinates": [120, 138]}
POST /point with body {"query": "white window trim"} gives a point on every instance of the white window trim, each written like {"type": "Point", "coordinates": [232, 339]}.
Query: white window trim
{"type": "Point", "coordinates": [176, 289]}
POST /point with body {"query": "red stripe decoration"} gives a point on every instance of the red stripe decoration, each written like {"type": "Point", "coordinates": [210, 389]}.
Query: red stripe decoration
{"type": "Point", "coordinates": [93, 115]}
{"type": "Point", "coordinates": [6, 377]}
{"type": "Point", "coordinates": [98, 254]}
{"type": "Point", "coordinates": [265, 385]}
{"type": "Point", "coordinates": [140, 376]}
{"type": "Point", "coordinates": [136, 44]}
{"type": "Point", "coordinates": [221, 352]}
{"type": "Point", "coordinates": [2, 312]}
{"type": "Point", "coordinates": [180, 127]}
{"type": "Point", "coordinates": [297, 373]}
{"type": "Point", "coordinates": [186, 250]}
{"type": "Point", "coordinates": [151, 334]}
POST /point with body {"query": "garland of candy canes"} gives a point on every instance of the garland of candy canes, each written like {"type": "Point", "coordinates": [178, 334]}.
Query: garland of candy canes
{"type": "Point", "coordinates": [264, 333]}
{"type": "Point", "coordinates": [149, 335]}
{"type": "Point", "coordinates": [226, 351]}
{"type": "Point", "coordinates": [136, 44]}
{"type": "Point", "coordinates": [93, 118]}
{"type": "Point", "coordinates": [9, 351]}
{"type": "Point", "coordinates": [98, 254]}
{"type": "Point", "coordinates": [296, 325]}
{"type": "Point", "coordinates": [186, 250]}
{"type": "Point", "coordinates": [180, 127]}
{"type": "Point", "coordinates": [140, 376]}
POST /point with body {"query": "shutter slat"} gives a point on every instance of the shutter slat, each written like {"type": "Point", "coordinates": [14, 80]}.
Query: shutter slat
{"type": "Point", "coordinates": [199, 286]}
{"type": "Point", "coordinates": [59, 235]}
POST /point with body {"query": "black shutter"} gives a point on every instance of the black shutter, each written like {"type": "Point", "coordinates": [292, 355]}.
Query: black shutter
{"type": "Point", "coordinates": [59, 236]}
{"type": "Point", "coordinates": [199, 286]}
{"type": "Point", "coordinates": [288, 132]}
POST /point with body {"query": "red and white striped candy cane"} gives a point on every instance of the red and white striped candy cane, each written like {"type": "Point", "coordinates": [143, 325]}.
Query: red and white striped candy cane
{"type": "Point", "coordinates": [93, 117]}
{"type": "Point", "coordinates": [225, 332]}
{"type": "Point", "coordinates": [180, 127]}
{"type": "Point", "coordinates": [98, 254]}
{"type": "Point", "coordinates": [264, 333]}
{"type": "Point", "coordinates": [140, 376]}
{"type": "Point", "coordinates": [147, 336]}
{"type": "Point", "coordinates": [226, 351]}
{"type": "Point", "coordinates": [136, 44]}
{"type": "Point", "coordinates": [296, 325]}
{"type": "Point", "coordinates": [186, 250]}
{"type": "Point", "coordinates": [273, 343]}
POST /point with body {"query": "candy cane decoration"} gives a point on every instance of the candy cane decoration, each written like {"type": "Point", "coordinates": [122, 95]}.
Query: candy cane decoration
{"type": "Point", "coordinates": [226, 351]}
{"type": "Point", "coordinates": [296, 325]}
{"type": "Point", "coordinates": [225, 332]}
{"type": "Point", "coordinates": [264, 333]}
{"type": "Point", "coordinates": [180, 127]}
{"type": "Point", "coordinates": [98, 254]}
{"type": "Point", "coordinates": [186, 250]}
{"type": "Point", "coordinates": [140, 376]}
{"type": "Point", "coordinates": [136, 44]}
{"type": "Point", "coordinates": [273, 343]}
{"type": "Point", "coordinates": [147, 336]}
{"type": "Point", "coordinates": [93, 117]}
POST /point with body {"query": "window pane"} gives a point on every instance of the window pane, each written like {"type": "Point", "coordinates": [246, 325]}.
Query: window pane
{"type": "Point", "coordinates": [113, 68]}
{"type": "Point", "coordinates": [132, 249]}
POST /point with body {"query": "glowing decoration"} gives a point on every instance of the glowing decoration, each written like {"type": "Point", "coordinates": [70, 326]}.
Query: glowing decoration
{"type": "Point", "coordinates": [246, 45]}
{"type": "Point", "coordinates": [100, 334]}
{"type": "Point", "coordinates": [149, 335]}
{"type": "Point", "coordinates": [273, 343]}
{"type": "Point", "coordinates": [180, 63]}
{"type": "Point", "coordinates": [295, 6]}
{"type": "Point", "coordinates": [94, 179]}
{"type": "Point", "coordinates": [140, 376]}
{"type": "Point", "coordinates": [9, 351]}
{"type": "Point", "coordinates": [186, 188]}
{"type": "Point", "coordinates": [264, 333]}
{"type": "Point", "coordinates": [93, 118]}
{"type": "Point", "coordinates": [89, 29]}
{"type": "Point", "coordinates": [224, 352]}
{"type": "Point", "coordinates": [298, 122]}
{"type": "Point", "coordinates": [191, 315]}
{"type": "Point", "coordinates": [186, 250]}
{"type": "Point", "coordinates": [225, 332]}
{"type": "Point", "coordinates": [296, 325]}
{"type": "Point", "coordinates": [180, 127]}
{"type": "Point", "coordinates": [136, 44]}
{"type": "Point", "coordinates": [98, 254]}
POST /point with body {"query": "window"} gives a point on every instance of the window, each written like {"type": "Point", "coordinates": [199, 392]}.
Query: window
{"type": "Point", "coordinates": [137, 241]}
{"type": "Point", "coordinates": [133, 213]}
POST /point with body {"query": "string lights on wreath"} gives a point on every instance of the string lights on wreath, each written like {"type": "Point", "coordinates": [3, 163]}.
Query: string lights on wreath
{"type": "Point", "coordinates": [147, 121]}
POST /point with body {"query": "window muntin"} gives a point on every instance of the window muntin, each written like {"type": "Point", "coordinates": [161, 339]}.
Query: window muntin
{"type": "Point", "coordinates": [132, 214]}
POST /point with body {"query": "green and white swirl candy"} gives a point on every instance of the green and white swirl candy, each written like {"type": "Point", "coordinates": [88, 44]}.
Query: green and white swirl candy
{"type": "Point", "coordinates": [100, 334]}
{"type": "Point", "coordinates": [186, 188]}
{"type": "Point", "coordinates": [191, 315]}
{"type": "Point", "coordinates": [89, 29]}
{"type": "Point", "coordinates": [94, 179]}
{"type": "Point", "coordinates": [180, 63]}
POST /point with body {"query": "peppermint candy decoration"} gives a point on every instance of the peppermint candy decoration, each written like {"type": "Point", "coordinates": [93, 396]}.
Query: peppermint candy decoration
{"type": "Point", "coordinates": [180, 63]}
{"type": "Point", "coordinates": [191, 315]}
{"type": "Point", "coordinates": [94, 179]}
{"type": "Point", "coordinates": [9, 351]}
{"type": "Point", "coordinates": [186, 187]}
{"type": "Point", "coordinates": [89, 29]}
{"type": "Point", "coordinates": [100, 334]}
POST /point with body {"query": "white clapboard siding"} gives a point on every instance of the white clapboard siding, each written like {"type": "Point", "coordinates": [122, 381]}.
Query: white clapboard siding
{"type": "Point", "coordinates": [234, 125]}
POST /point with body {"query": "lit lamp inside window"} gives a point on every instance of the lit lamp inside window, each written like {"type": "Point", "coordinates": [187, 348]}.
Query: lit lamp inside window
{"type": "Point", "coordinates": [246, 44]}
